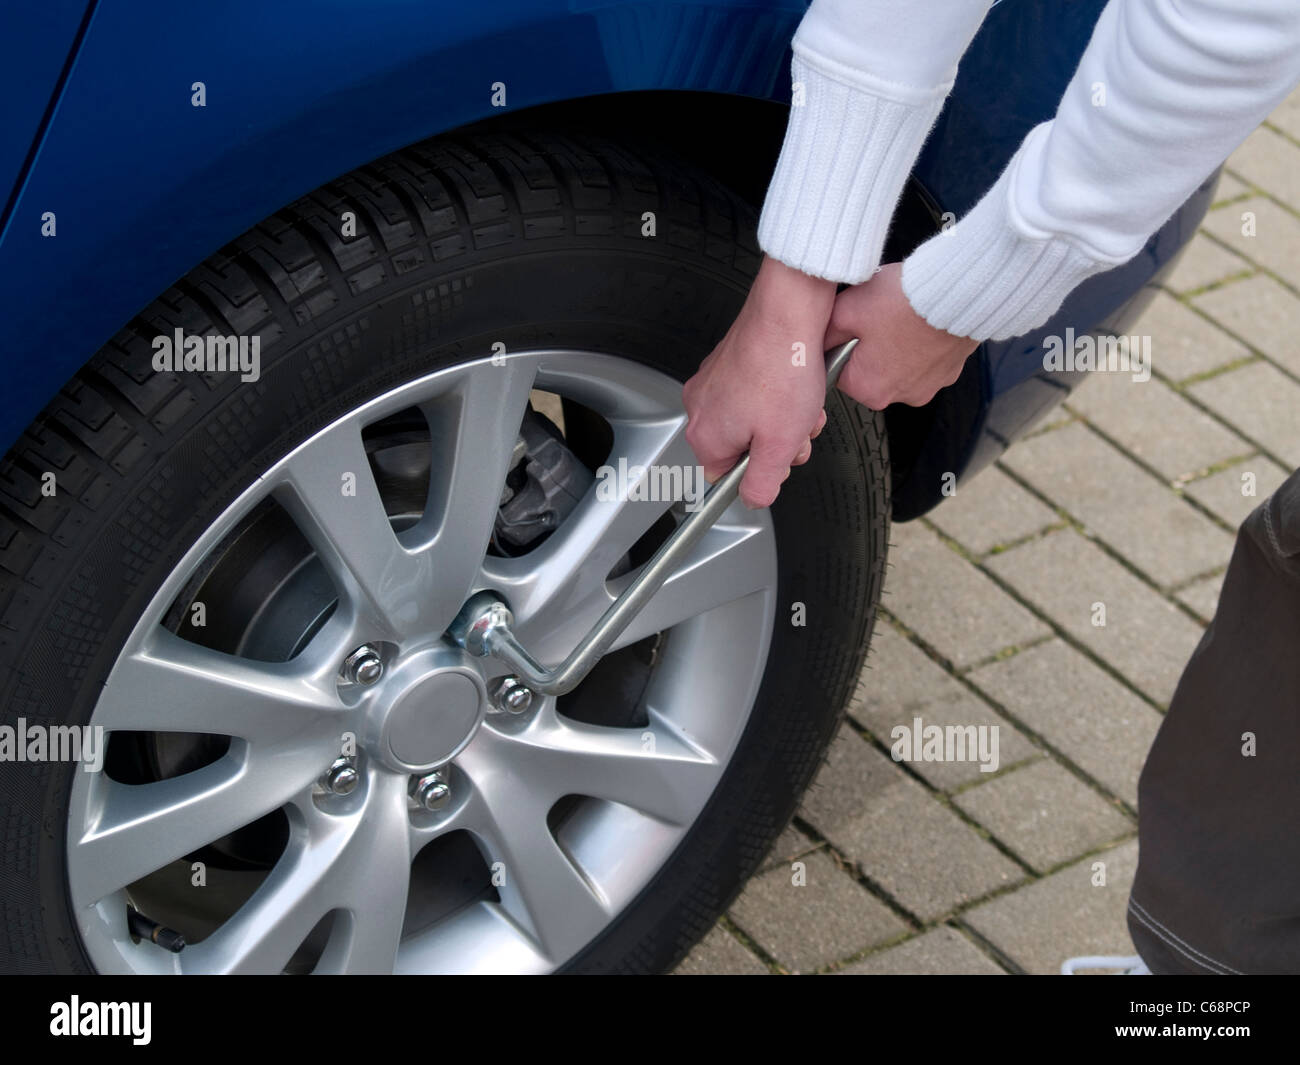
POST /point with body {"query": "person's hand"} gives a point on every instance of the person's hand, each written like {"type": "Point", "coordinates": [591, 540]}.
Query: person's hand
{"type": "Point", "coordinates": [763, 387]}
{"type": "Point", "coordinates": [900, 357]}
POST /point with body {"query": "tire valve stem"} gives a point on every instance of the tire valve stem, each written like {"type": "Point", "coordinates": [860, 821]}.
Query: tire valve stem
{"type": "Point", "coordinates": [144, 928]}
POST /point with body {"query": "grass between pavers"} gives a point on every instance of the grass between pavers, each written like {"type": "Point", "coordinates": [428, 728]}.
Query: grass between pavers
{"type": "Point", "coordinates": [1182, 481]}
{"type": "Point", "coordinates": [1180, 385]}
{"type": "Point", "coordinates": [1175, 486]}
{"type": "Point", "coordinates": [1034, 736]}
{"type": "Point", "coordinates": [751, 945]}
{"type": "Point", "coordinates": [1254, 191]}
{"type": "Point", "coordinates": [1034, 609]}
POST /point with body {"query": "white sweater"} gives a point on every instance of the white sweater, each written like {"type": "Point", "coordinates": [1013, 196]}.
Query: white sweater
{"type": "Point", "coordinates": [1184, 81]}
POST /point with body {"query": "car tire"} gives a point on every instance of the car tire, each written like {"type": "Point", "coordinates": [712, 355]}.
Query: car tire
{"type": "Point", "coordinates": [463, 248]}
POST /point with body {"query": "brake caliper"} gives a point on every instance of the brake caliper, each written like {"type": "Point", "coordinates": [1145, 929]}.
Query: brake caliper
{"type": "Point", "coordinates": [544, 484]}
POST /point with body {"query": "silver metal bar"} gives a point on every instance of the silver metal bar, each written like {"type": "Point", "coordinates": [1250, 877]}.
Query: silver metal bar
{"type": "Point", "coordinates": [483, 625]}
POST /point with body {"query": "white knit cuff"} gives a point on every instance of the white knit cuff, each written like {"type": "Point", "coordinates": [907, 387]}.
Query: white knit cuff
{"type": "Point", "coordinates": [989, 276]}
{"type": "Point", "coordinates": [849, 146]}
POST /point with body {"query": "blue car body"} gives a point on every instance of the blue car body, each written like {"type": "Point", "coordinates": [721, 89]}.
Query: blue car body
{"type": "Point", "coordinates": [102, 137]}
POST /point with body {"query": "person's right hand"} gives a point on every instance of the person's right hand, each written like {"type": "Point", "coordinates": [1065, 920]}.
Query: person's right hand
{"type": "Point", "coordinates": [758, 391]}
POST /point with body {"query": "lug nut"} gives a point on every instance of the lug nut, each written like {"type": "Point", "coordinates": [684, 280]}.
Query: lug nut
{"type": "Point", "coordinates": [511, 695]}
{"type": "Point", "coordinates": [363, 666]}
{"type": "Point", "coordinates": [431, 791]}
{"type": "Point", "coordinates": [342, 777]}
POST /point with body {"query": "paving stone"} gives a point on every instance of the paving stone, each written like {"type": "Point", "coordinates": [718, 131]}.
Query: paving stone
{"type": "Point", "coordinates": [923, 855]}
{"type": "Point", "coordinates": [1183, 343]}
{"type": "Point", "coordinates": [1260, 311]}
{"type": "Point", "coordinates": [1159, 533]}
{"type": "Point", "coordinates": [1261, 403]}
{"type": "Point", "coordinates": [1154, 423]}
{"type": "Point", "coordinates": [1079, 709]}
{"type": "Point", "coordinates": [951, 605]}
{"type": "Point", "coordinates": [1145, 637]}
{"type": "Point", "coordinates": [1045, 814]}
{"type": "Point", "coordinates": [1229, 189]}
{"type": "Point", "coordinates": [940, 951]}
{"type": "Point", "coordinates": [789, 845]}
{"type": "Point", "coordinates": [1203, 595]}
{"type": "Point", "coordinates": [1222, 492]}
{"type": "Point", "coordinates": [1271, 162]}
{"type": "Point", "coordinates": [991, 510]}
{"type": "Point", "coordinates": [1063, 915]}
{"type": "Point", "coordinates": [720, 953]}
{"type": "Point", "coordinates": [830, 916]}
{"type": "Point", "coordinates": [901, 683]}
{"type": "Point", "coordinates": [1287, 115]}
{"type": "Point", "coordinates": [1204, 262]}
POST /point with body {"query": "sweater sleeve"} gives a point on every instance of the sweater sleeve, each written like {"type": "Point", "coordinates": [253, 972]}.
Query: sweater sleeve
{"type": "Point", "coordinates": [869, 78]}
{"type": "Point", "coordinates": [1164, 92]}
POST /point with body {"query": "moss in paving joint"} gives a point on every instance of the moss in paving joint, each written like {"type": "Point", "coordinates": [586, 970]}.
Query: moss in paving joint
{"type": "Point", "coordinates": [1143, 465]}
{"type": "Point", "coordinates": [1178, 589]}
{"type": "Point", "coordinates": [969, 556]}
{"type": "Point", "coordinates": [1181, 386]}
{"type": "Point", "coordinates": [1056, 755]}
{"type": "Point", "coordinates": [1209, 471]}
{"type": "Point", "coordinates": [1007, 652]}
{"type": "Point", "coordinates": [866, 952]}
{"type": "Point", "coordinates": [750, 944]}
{"type": "Point", "coordinates": [1092, 852]}
{"type": "Point", "coordinates": [1037, 534]}
{"type": "Point", "coordinates": [1068, 637]}
{"type": "Point", "coordinates": [880, 948]}
{"type": "Point", "coordinates": [1268, 124]}
{"type": "Point", "coordinates": [1223, 282]}
{"type": "Point", "coordinates": [1001, 771]}
{"type": "Point", "coordinates": [1059, 423]}
{"type": "Point", "coordinates": [987, 835]}
{"type": "Point", "coordinates": [860, 877]}
{"type": "Point", "coordinates": [1066, 519]}
{"type": "Point", "coordinates": [1259, 268]}
{"type": "Point", "coordinates": [1119, 558]}
{"type": "Point", "coordinates": [941, 798]}
{"type": "Point", "coordinates": [991, 949]}
{"type": "Point", "coordinates": [964, 679]}
{"type": "Point", "coordinates": [915, 639]}
{"type": "Point", "coordinates": [1213, 415]}
{"type": "Point", "coordinates": [1251, 188]}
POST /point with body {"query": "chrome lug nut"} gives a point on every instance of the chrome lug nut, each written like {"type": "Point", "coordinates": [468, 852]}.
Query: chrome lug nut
{"type": "Point", "coordinates": [341, 778]}
{"type": "Point", "coordinates": [431, 791]}
{"type": "Point", "coordinates": [363, 666]}
{"type": "Point", "coordinates": [512, 695]}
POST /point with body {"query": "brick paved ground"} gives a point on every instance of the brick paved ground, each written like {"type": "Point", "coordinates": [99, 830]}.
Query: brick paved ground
{"type": "Point", "coordinates": [1128, 497]}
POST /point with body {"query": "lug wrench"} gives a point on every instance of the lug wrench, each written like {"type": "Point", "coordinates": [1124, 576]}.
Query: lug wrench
{"type": "Point", "coordinates": [483, 625]}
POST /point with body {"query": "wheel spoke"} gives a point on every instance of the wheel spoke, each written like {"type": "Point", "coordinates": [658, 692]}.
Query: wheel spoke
{"type": "Point", "coordinates": [139, 828]}
{"type": "Point", "coordinates": [329, 490]}
{"type": "Point", "coordinates": [730, 562]}
{"type": "Point", "coordinates": [172, 685]}
{"type": "Point", "coordinates": [541, 890]}
{"type": "Point", "coordinates": [479, 940]}
{"type": "Point", "coordinates": [473, 429]}
{"type": "Point", "coordinates": [655, 770]}
{"type": "Point", "coordinates": [358, 865]}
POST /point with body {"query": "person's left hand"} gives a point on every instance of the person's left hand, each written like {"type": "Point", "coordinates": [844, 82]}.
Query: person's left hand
{"type": "Point", "coordinates": [900, 357]}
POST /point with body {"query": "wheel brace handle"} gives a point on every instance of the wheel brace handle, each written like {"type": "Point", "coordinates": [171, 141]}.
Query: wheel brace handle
{"type": "Point", "coordinates": [483, 625]}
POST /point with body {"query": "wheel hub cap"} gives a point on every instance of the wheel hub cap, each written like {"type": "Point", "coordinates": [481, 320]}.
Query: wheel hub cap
{"type": "Point", "coordinates": [426, 711]}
